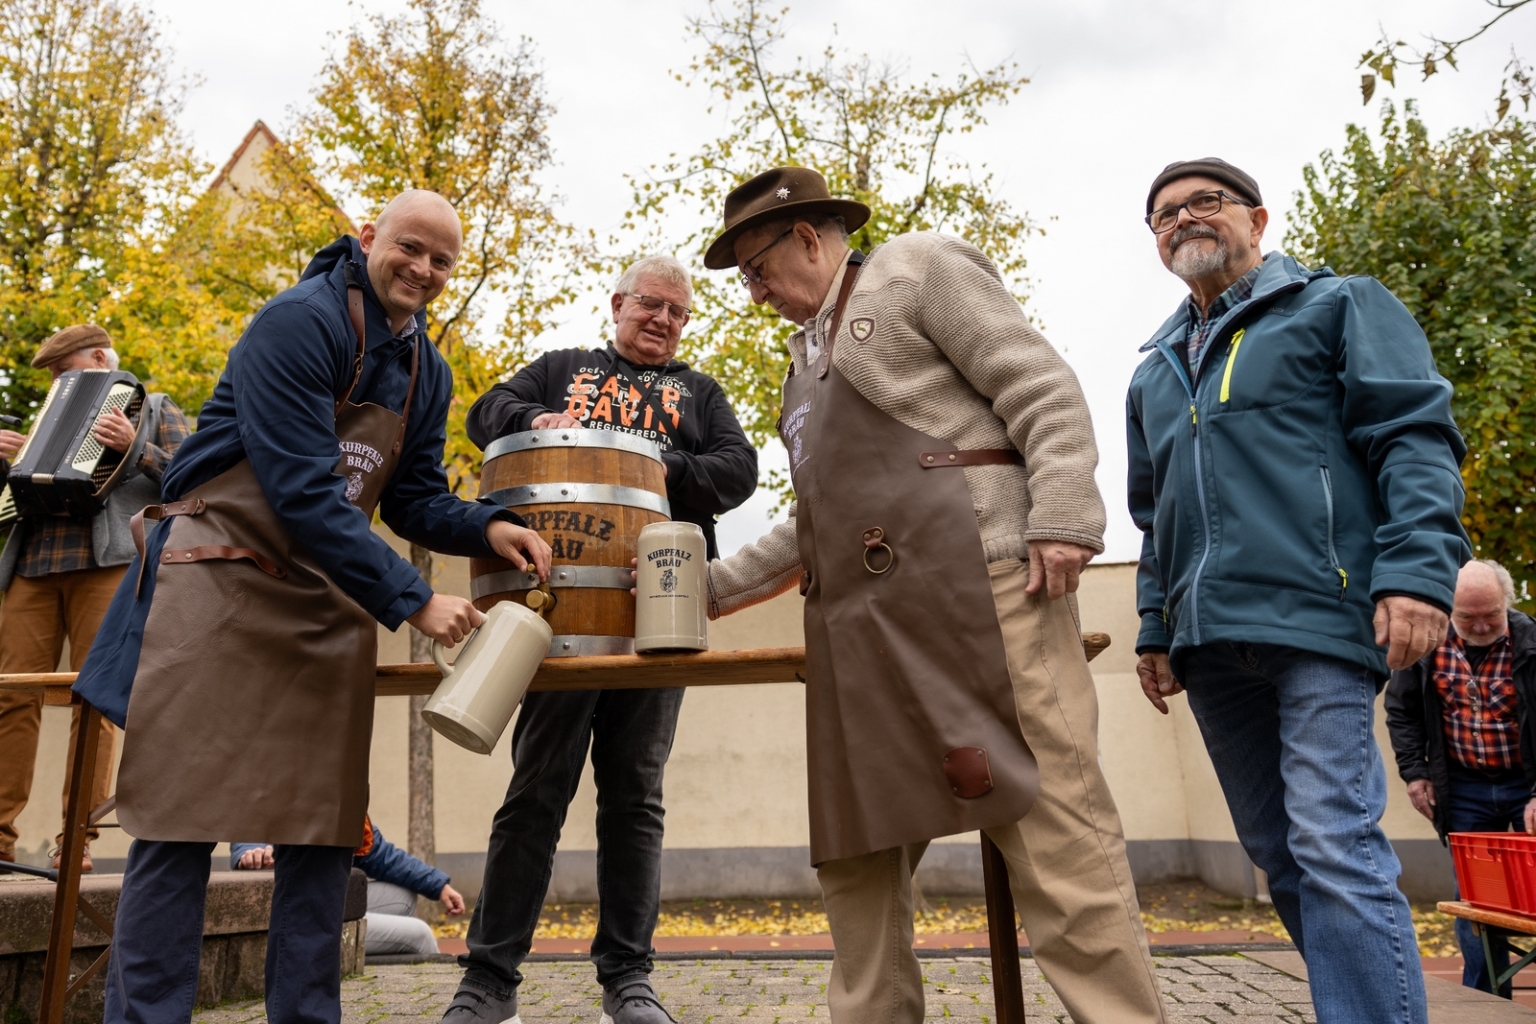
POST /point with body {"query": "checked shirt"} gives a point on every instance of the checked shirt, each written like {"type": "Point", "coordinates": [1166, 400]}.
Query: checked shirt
{"type": "Point", "coordinates": [1201, 324]}
{"type": "Point", "coordinates": [1482, 727]}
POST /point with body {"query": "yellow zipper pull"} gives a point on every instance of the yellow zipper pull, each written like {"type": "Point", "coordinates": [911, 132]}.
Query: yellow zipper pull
{"type": "Point", "coordinates": [1193, 419]}
{"type": "Point", "coordinates": [1226, 376]}
{"type": "Point", "coordinates": [1343, 583]}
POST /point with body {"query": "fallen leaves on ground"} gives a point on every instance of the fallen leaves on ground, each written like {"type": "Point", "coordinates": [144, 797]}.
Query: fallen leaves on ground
{"type": "Point", "coordinates": [1166, 907]}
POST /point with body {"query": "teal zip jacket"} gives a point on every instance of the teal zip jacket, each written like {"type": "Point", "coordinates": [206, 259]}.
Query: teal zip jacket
{"type": "Point", "coordinates": [1305, 468]}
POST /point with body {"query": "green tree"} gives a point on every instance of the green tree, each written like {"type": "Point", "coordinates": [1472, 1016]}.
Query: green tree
{"type": "Point", "coordinates": [878, 137]}
{"type": "Point", "coordinates": [94, 178]}
{"type": "Point", "coordinates": [1450, 228]}
{"type": "Point", "coordinates": [434, 98]}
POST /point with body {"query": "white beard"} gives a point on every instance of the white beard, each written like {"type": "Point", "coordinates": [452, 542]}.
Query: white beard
{"type": "Point", "coordinates": [1191, 262]}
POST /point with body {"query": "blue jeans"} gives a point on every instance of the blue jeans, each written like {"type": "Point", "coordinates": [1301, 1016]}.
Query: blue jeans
{"type": "Point", "coordinates": [630, 735]}
{"type": "Point", "coordinates": [1291, 735]}
{"type": "Point", "coordinates": [1476, 804]}
{"type": "Point", "coordinates": [157, 940]}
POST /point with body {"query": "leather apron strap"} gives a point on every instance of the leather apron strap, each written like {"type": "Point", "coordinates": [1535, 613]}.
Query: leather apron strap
{"type": "Point", "coordinates": [855, 261]}
{"type": "Point", "coordinates": [359, 328]}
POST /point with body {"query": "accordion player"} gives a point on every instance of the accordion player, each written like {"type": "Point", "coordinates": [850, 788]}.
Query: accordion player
{"type": "Point", "coordinates": [62, 469]}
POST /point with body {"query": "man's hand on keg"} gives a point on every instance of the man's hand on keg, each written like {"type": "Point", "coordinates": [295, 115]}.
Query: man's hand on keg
{"type": "Point", "coordinates": [447, 619]}
{"type": "Point", "coordinates": [511, 542]}
{"type": "Point", "coordinates": [10, 443]}
{"type": "Point", "coordinates": [1056, 565]}
{"type": "Point", "coordinates": [554, 421]}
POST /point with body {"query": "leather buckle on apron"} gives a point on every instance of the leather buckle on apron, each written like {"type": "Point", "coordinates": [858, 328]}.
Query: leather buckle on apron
{"type": "Point", "coordinates": [195, 507]}
{"type": "Point", "coordinates": [971, 457]}
{"type": "Point", "coordinates": [874, 540]}
{"type": "Point", "coordinates": [222, 553]}
{"type": "Point", "coordinates": [969, 772]}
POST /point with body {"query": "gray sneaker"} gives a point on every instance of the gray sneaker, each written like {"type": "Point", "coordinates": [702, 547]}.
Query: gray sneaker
{"type": "Point", "coordinates": [631, 1000]}
{"type": "Point", "coordinates": [472, 1005]}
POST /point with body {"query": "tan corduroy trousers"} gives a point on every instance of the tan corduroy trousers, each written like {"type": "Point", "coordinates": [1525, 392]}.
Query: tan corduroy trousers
{"type": "Point", "coordinates": [36, 615]}
{"type": "Point", "coordinates": [1066, 860]}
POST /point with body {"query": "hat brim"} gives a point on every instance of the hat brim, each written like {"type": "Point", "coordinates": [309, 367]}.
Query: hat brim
{"type": "Point", "coordinates": [721, 253]}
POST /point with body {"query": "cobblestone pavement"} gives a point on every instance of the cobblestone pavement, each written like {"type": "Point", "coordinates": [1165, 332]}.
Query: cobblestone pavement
{"type": "Point", "coordinates": [1229, 989]}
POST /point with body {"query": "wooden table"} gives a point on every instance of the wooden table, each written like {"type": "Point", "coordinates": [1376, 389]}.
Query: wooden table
{"type": "Point", "coordinates": [1496, 927]}
{"type": "Point", "coordinates": [608, 672]}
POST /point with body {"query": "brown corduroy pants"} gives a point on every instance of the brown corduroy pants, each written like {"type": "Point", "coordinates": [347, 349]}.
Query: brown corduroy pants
{"type": "Point", "coordinates": [36, 616]}
{"type": "Point", "coordinates": [1066, 859]}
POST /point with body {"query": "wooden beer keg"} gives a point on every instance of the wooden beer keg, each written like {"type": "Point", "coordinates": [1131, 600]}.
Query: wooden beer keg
{"type": "Point", "coordinates": [588, 493]}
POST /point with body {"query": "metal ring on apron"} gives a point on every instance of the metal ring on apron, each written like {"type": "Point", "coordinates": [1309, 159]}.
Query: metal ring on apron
{"type": "Point", "coordinates": [874, 540]}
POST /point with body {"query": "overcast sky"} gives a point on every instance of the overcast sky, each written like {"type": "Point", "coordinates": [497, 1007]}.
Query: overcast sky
{"type": "Point", "coordinates": [1119, 88]}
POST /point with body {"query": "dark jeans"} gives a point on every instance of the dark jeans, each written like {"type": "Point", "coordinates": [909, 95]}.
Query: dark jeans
{"type": "Point", "coordinates": [158, 937]}
{"type": "Point", "coordinates": [630, 735]}
{"type": "Point", "coordinates": [1476, 804]}
{"type": "Point", "coordinates": [1291, 736]}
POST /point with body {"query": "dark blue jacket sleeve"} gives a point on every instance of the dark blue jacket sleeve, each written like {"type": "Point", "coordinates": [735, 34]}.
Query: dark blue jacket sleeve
{"type": "Point", "coordinates": [417, 504]}
{"type": "Point", "coordinates": [511, 406]}
{"type": "Point", "coordinates": [283, 374]}
{"type": "Point", "coordinates": [1397, 418]}
{"type": "Point", "coordinates": [386, 862]}
{"type": "Point", "coordinates": [1151, 600]}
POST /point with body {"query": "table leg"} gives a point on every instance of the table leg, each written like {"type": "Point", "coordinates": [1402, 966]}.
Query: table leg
{"type": "Point", "coordinates": [1007, 983]}
{"type": "Point", "coordinates": [66, 894]}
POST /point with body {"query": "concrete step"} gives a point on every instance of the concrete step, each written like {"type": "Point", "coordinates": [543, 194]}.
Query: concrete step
{"type": "Point", "coordinates": [234, 939]}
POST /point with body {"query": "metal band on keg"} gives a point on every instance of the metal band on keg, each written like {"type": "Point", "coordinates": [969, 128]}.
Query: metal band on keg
{"type": "Point", "coordinates": [572, 438]}
{"type": "Point", "coordinates": [575, 645]}
{"type": "Point", "coordinates": [597, 577]}
{"type": "Point", "coordinates": [560, 493]}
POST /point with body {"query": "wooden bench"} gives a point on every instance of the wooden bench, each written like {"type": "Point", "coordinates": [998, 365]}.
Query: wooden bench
{"type": "Point", "coordinates": [1496, 927]}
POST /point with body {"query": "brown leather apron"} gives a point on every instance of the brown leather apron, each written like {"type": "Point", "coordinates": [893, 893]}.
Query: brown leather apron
{"type": "Point", "coordinates": [252, 705]}
{"type": "Point", "coordinates": [912, 730]}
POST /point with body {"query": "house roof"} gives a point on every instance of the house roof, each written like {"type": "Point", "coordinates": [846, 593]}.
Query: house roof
{"type": "Point", "coordinates": [259, 128]}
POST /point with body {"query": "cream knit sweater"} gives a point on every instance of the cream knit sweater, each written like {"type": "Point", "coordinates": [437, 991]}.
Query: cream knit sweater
{"type": "Point", "coordinates": [953, 356]}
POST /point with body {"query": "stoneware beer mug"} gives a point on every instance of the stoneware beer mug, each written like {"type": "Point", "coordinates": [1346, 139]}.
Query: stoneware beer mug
{"type": "Point", "coordinates": [481, 689]}
{"type": "Point", "coordinates": [671, 593]}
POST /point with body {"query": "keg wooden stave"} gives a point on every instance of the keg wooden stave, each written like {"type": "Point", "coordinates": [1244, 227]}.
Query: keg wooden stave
{"type": "Point", "coordinates": [588, 493]}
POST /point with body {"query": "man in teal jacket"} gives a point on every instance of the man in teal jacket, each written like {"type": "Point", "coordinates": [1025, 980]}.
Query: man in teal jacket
{"type": "Point", "coordinates": [1293, 465]}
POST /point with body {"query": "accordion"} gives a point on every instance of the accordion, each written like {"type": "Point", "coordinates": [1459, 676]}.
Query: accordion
{"type": "Point", "coordinates": [62, 470]}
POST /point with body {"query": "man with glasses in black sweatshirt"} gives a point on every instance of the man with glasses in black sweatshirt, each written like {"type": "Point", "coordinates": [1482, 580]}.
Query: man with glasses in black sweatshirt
{"type": "Point", "coordinates": [633, 386]}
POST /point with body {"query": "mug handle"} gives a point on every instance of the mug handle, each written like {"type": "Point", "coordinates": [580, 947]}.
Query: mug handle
{"type": "Point", "coordinates": [442, 662]}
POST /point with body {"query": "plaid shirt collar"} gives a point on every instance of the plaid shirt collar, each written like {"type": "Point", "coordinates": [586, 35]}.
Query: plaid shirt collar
{"type": "Point", "coordinates": [1202, 323]}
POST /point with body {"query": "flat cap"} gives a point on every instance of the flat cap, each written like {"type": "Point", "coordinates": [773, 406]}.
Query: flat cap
{"type": "Point", "coordinates": [1239, 181]}
{"type": "Point", "coordinates": [71, 339]}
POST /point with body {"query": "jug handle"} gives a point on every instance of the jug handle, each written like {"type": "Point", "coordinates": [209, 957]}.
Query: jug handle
{"type": "Point", "coordinates": [437, 652]}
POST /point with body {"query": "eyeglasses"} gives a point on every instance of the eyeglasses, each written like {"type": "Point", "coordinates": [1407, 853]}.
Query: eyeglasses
{"type": "Point", "coordinates": [749, 273]}
{"type": "Point", "coordinates": [651, 304]}
{"type": "Point", "coordinates": [1206, 204]}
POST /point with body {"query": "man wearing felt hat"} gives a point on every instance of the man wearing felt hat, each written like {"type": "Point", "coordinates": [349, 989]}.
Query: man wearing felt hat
{"type": "Point", "coordinates": [58, 575]}
{"type": "Point", "coordinates": [942, 458]}
{"type": "Point", "coordinates": [1294, 469]}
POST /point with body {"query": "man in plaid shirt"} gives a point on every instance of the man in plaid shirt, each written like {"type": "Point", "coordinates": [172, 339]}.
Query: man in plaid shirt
{"type": "Point", "coordinates": [1462, 729]}
{"type": "Point", "coordinates": [59, 574]}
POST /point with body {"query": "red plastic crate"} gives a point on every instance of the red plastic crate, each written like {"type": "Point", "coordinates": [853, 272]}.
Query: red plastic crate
{"type": "Point", "coordinates": [1496, 870]}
